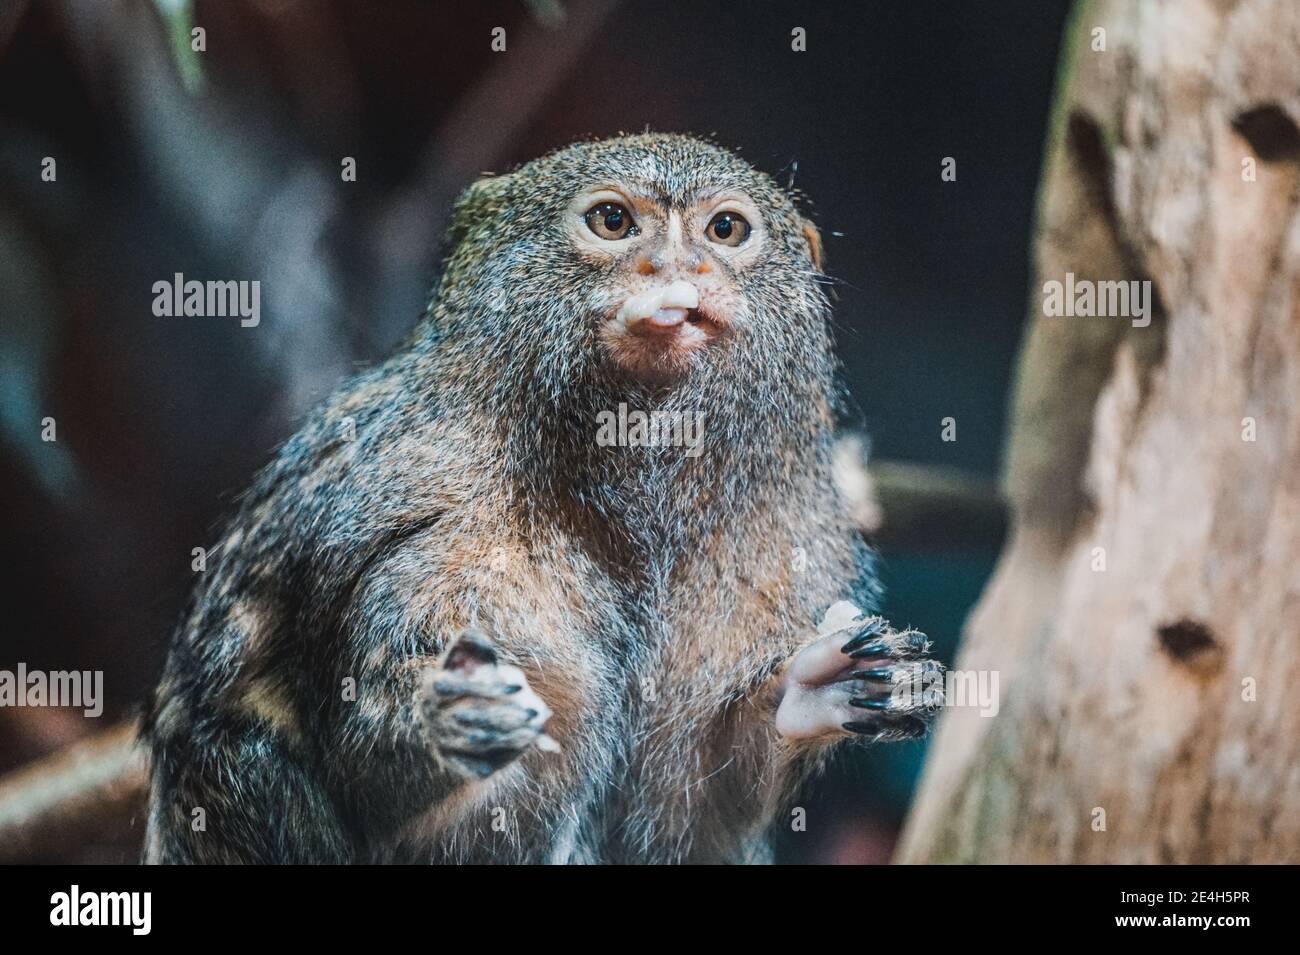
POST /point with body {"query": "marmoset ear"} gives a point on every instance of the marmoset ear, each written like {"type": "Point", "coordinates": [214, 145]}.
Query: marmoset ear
{"type": "Point", "coordinates": [814, 239]}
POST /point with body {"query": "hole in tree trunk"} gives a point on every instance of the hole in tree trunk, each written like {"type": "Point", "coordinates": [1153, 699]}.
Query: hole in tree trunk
{"type": "Point", "coordinates": [1270, 131]}
{"type": "Point", "coordinates": [1192, 644]}
{"type": "Point", "coordinates": [1093, 162]}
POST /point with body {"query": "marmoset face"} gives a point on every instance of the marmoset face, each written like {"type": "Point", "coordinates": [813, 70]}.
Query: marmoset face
{"type": "Point", "coordinates": [649, 259]}
{"type": "Point", "coordinates": [675, 268]}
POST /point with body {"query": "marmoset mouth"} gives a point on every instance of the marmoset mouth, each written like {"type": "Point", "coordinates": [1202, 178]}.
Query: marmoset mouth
{"type": "Point", "coordinates": [659, 346]}
{"type": "Point", "coordinates": [654, 331]}
{"type": "Point", "coordinates": [667, 322]}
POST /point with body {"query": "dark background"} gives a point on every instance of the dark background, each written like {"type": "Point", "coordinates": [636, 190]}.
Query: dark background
{"type": "Point", "coordinates": [225, 164]}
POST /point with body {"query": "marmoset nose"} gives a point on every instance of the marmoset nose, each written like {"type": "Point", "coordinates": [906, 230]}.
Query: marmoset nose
{"type": "Point", "coordinates": [687, 261]}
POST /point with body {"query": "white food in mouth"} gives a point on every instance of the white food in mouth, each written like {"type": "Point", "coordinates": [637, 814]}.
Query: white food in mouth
{"type": "Point", "coordinates": [665, 305]}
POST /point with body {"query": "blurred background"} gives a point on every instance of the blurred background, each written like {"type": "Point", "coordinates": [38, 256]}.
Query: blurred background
{"type": "Point", "coordinates": [226, 164]}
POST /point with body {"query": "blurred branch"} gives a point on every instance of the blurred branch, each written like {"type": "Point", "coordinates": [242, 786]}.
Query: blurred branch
{"type": "Point", "coordinates": [900, 506]}
{"type": "Point", "coordinates": [90, 791]}
{"type": "Point", "coordinates": [928, 508]}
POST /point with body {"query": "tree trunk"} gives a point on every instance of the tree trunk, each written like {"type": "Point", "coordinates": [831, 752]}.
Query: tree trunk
{"type": "Point", "coordinates": [1143, 618]}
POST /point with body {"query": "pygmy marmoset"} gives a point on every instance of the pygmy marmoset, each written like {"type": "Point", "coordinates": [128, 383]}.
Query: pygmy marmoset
{"type": "Point", "coordinates": [450, 624]}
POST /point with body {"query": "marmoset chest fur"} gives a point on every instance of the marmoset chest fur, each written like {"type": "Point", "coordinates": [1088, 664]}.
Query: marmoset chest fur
{"type": "Point", "coordinates": [461, 618]}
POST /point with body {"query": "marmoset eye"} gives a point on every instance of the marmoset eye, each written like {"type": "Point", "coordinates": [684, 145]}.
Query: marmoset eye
{"type": "Point", "coordinates": [609, 220]}
{"type": "Point", "coordinates": [728, 228]}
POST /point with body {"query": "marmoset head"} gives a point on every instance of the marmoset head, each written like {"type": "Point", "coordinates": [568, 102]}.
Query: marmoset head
{"type": "Point", "coordinates": [650, 258]}
{"type": "Point", "coordinates": [655, 273]}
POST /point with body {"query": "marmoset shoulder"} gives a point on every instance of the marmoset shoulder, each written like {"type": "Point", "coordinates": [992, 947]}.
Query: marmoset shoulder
{"type": "Point", "coordinates": [545, 585]}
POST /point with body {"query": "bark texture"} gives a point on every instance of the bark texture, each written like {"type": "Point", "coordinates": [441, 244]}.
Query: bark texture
{"type": "Point", "coordinates": [1162, 689]}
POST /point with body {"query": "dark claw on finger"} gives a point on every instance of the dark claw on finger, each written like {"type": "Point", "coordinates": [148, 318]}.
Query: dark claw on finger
{"type": "Point", "coordinates": [869, 729]}
{"type": "Point", "coordinates": [872, 628]}
{"type": "Point", "coordinates": [876, 673]}
{"type": "Point", "coordinates": [867, 704]}
{"type": "Point", "coordinates": [879, 649]}
{"type": "Point", "coordinates": [456, 688]}
{"type": "Point", "coordinates": [914, 726]}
